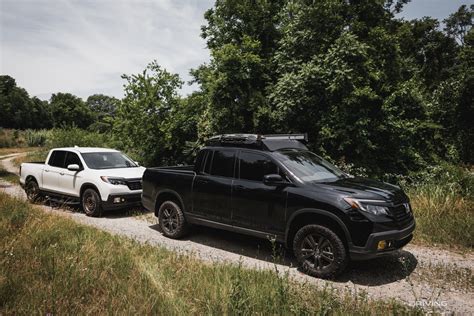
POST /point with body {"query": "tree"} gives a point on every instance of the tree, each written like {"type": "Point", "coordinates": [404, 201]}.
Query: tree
{"type": "Point", "coordinates": [69, 110]}
{"type": "Point", "coordinates": [144, 120]}
{"type": "Point", "coordinates": [459, 23]}
{"type": "Point", "coordinates": [20, 111]}
{"type": "Point", "coordinates": [242, 37]}
{"type": "Point", "coordinates": [103, 108]}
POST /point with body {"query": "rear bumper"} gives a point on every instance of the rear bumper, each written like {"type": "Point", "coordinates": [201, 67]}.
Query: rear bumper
{"type": "Point", "coordinates": [397, 239]}
{"type": "Point", "coordinates": [126, 200]}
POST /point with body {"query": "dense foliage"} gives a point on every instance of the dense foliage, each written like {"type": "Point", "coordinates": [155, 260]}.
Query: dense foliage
{"type": "Point", "coordinates": [381, 93]}
{"type": "Point", "coordinates": [20, 111]}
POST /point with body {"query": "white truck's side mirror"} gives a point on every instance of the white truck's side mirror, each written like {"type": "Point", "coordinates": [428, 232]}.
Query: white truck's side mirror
{"type": "Point", "coordinates": [73, 167]}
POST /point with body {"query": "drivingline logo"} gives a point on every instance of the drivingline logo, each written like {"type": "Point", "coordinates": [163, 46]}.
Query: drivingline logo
{"type": "Point", "coordinates": [430, 303]}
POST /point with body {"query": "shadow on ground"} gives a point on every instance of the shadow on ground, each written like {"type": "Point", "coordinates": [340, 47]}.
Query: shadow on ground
{"type": "Point", "coordinates": [384, 270]}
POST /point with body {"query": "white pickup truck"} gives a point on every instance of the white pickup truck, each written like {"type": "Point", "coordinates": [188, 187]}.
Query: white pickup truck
{"type": "Point", "coordinates": [98, 178]}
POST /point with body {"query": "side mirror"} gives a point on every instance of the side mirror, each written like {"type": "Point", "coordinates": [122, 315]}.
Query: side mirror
{"type": "Point", "coordinates": [73, 167]}
{"type": "Point", "coordinates": [274, 179]}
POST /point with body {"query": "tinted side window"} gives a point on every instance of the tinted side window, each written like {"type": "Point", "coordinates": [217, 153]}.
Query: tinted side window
{"type": "Point", "coordinates": [207, 164]}
{"type": "Point", "coordinates": [72, 159]}
{"type": "Point", "coordinates": [254, 166]}
{"type": "Point", "coordinates": [200, 160]}
{"type": "Point", "coordinates": [223, 163]}
{"type": "Point", "coordinates": [57, 158]}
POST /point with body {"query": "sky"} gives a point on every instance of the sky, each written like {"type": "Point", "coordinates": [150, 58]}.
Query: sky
{"type": "Point", "coordinates": [84, 46]}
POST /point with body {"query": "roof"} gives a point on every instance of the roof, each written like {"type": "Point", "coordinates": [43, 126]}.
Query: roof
{"type": "Point", "coordinates": [86, 149]}
{"type": "Point", "coordinates": [271, 142]}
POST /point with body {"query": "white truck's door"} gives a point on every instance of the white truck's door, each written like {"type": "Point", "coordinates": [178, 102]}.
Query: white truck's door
{"type": "Point", "coordinates": [52, 169]}
{"type": "Point", "coordinates": [68, 179]}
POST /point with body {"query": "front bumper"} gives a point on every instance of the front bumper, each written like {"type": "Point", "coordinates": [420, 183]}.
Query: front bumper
{"type": "Point", "coordinates": [397, 239]}
{"type": "Point", "coordinates": [126, 200]}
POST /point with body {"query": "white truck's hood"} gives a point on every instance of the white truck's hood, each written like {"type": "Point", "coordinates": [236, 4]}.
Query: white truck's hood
{"type": "Point", "coordinates": [127, 173]}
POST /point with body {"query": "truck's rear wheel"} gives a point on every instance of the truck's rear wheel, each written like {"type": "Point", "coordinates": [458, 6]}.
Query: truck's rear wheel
{"type": "Point", "coordinates": [32, 191]}
{"type": "Point", "coordinates": [319, 251]}
{"type": "Point", "coordinates": [91, 203]}
{"type": "Point", "coordinates": [172, 221]}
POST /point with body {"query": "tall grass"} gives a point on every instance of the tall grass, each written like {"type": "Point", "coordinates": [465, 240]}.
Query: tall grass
{"type": "Point", "coordinates": [36, 138]}
{"type": "Point", "coordinates": [443, 205]}
{"type": "Point", "coordinates": [53, 265]}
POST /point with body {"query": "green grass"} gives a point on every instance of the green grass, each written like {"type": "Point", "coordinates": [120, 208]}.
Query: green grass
{"type": "Point", "coordinates": [443, 206]}
{"type": "Point", "coordinates": [50, 264]}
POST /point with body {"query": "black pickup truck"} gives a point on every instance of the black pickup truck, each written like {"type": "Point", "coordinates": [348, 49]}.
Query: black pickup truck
{"type": "Point", "coordinates": [272, 186]}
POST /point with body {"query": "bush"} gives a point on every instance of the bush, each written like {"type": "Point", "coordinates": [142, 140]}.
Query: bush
{"type": "Point", "coordinates": [74, 136]}
{"type": "Point", "coordinates": [36, 138]}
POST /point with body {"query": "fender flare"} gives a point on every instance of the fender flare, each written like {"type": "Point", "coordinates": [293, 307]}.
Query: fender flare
{"type": "Point", "coordinates": [88, 184]}
{"type": "Point", "coordinates": [172, 192]}
{"type": "Point", "coordinates": [318, 212]}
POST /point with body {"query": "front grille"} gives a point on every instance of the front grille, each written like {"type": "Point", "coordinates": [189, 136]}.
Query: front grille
{"type": "Point", "coordinates": [134, 184]}
{"type": "Point", "coordinates": [401, 215]}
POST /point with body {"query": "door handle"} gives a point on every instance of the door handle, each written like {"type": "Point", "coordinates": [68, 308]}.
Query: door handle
{"type": "Point", "coordinates": [61, 173]}
{"type": "Point", "coordinates": [46, 170]}
{"type": "Point", "coordinates": [240, 187]}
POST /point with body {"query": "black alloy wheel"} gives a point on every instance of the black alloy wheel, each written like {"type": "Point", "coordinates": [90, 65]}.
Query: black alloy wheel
{"type": "Point", "coordinates": [171, 219]}
{"type": "Point", "coordinates": [319, 251]}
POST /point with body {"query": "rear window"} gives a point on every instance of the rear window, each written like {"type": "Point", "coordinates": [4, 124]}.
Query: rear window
{"type": "Point", "coordinates": [57, 158]}
{"type": "Point", "coordinates": [223, 163]}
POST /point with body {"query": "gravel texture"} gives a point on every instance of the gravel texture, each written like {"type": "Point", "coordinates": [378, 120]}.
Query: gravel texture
{"type": "Point", "coordinates": [417, 275]}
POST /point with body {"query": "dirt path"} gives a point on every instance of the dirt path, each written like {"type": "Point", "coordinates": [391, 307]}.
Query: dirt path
{"type": "Point", "coordinates": [423, 276]}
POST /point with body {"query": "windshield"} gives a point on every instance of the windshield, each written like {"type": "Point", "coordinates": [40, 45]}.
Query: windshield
{"type": "Point", "coordinates": [107, 160]}
{"type": "Point", "coordinates": [309, 167]}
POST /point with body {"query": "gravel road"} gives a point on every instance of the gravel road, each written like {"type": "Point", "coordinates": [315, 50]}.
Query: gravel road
{"type": "Point", "coordinates": [416, 275]}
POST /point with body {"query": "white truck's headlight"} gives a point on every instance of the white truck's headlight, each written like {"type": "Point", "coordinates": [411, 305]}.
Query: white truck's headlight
{"type": "Point", "coordinates": [114, 181]}
{"type": "Point", "coordinates": [368, 206]}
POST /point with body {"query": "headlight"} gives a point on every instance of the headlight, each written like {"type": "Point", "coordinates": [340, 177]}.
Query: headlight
{"type": "Point", "coordinates": [114, 181]}
{"type": "Point", "coordinates": [368, 206]}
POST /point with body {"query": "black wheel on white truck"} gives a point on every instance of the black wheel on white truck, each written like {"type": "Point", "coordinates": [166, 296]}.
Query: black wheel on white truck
{"type": "Point", "coordinates": [91, 203]}
{"type": "Point", "coordinates": [32, 190]}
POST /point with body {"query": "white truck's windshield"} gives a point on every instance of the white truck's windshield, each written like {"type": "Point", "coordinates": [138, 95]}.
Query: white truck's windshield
{"type": "Point", "coordinates": [107, 160]}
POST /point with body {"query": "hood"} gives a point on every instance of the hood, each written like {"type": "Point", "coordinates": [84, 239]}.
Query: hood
{"type": "Point", "coordinates": [365, 188]}
{"type": "Point", "coordinates": [127, 173]}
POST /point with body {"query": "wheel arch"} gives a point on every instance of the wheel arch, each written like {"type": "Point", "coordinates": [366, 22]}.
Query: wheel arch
{"type": "Point", "coordinates": [86, 186]}
{"type": "Point", "coordinates": [166, 195]}
{"type": "Point", "coordinates": [316, 216]}
{"type": "Point", "coordinates": [30, 178]}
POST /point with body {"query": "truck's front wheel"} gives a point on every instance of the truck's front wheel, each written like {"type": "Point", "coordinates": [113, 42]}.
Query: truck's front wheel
{"type": "Point", "coordinates": [172, 221]}
{"type": "Point", "coordinates": [319, 251]}
{"type": "Point", "coordinates": [91, 203]}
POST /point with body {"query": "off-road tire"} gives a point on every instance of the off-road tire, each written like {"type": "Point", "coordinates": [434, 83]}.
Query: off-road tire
{"type": "Point", "coordinates": [172, 221]}
{"type": "Point", "coordinates": [320, 251]}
